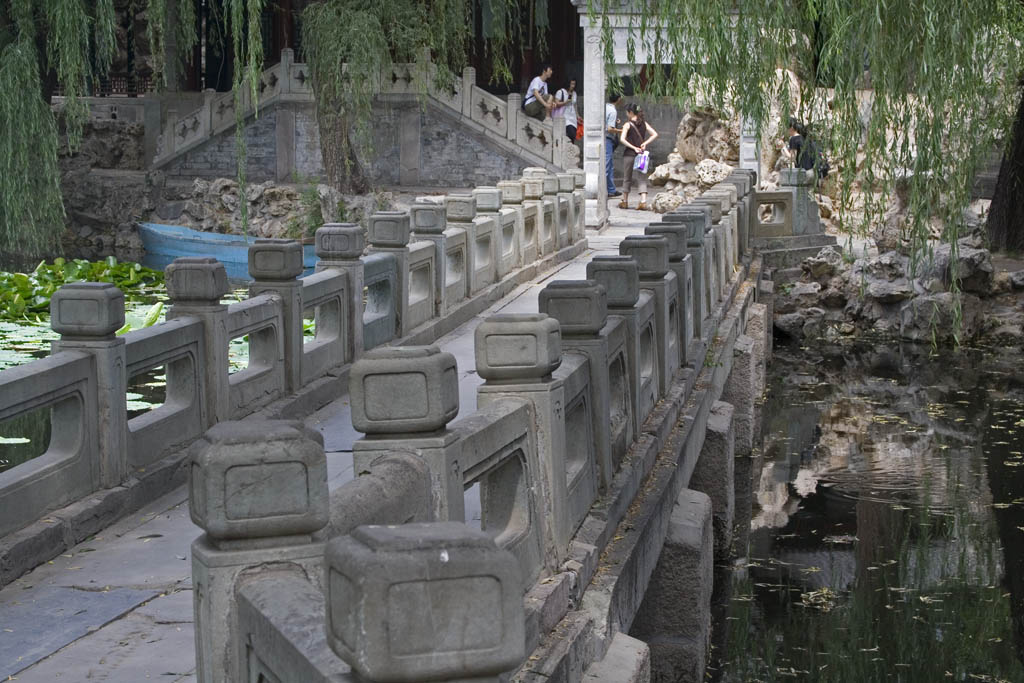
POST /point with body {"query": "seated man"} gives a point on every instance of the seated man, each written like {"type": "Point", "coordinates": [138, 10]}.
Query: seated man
{"type": "Point", "coordinates": [538, 102]}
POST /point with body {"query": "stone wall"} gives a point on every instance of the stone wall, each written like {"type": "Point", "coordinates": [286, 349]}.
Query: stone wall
{"type": "Point", "coordinates": [106, 191]}
{"type": "Point", "coordinates": [421, 147]}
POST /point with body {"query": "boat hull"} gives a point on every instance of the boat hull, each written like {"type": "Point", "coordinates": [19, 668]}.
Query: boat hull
{"type": "Point", "coordinates": [164, 243]}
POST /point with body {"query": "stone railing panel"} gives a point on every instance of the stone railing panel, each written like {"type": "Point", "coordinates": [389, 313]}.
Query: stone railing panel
{"type": "Point", "coordinates": [263, 379]}
{"type": "Point", "coordinates": [70, 468]}
{"type": "Point", "coordinates": [380, 314]}
{"type": "Point", "coordinates": [489, 111]}
{"type": "Point", "coordinates": [177, 345]}
{"type": "Point", "coordinates": [421, 290]}
{"type": "Point", "coordinates": [499, 452]}
{"type": "Point", "coordinates": [325, 295]}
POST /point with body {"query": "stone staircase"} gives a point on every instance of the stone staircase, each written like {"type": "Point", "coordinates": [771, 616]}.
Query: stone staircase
{"type": "Point", "coordinates": [496, 122]}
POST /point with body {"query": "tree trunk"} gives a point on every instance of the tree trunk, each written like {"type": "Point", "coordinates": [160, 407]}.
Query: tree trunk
{"type": "Point", "coordinates": [344, 171]}
{"type": "Point", "coordinates": [1006, 215]}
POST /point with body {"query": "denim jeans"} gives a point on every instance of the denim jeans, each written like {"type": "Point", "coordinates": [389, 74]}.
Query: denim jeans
{"type": "Point", "coordinates": [608, 149]}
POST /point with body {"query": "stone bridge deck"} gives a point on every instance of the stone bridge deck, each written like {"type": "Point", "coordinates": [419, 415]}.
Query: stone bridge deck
{"type": "Point", "coordinates": [119, 606]}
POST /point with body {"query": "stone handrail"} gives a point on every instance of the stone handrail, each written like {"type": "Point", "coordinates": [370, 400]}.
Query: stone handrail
{"type": "Point", "coordinates": [289, 81]}
{"type": "Point", "coordinates": [408, 283]}
{"type": "Point", "coordinates": [566, 394]}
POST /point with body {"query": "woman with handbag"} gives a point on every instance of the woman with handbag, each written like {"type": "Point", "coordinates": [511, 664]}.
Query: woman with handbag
{"type": "Point", "coordinates": [637, 134]}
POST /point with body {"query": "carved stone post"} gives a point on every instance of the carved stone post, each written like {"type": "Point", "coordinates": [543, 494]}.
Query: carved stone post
{"type": "Point", "coordinates": [435, 601]}
{"type": "Point", "coordinates": [195, 287]}
{"type": "Point", "coordinates": [87, 315]}
{"type": "Point", "coordinates": [388, 232]}
{"type": "Point", "coordinates": [258, 489]}
{"type": "Point", "coordinates": [651, 254]}
{"type": "Point", "coordinates": [275, 266]}
{"type": "Point", "coordinates": [584, 330]}
{"type": "Point", "coordinates": [339, 246]}
{"type": "Point", "coordinates": [403, 398]}
{"type": "Point", "coordinates": [680, 263]}
{"type": "Point", "coordinates": [517, 354]}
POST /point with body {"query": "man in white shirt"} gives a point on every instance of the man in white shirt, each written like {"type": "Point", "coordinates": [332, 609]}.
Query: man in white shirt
{"type": "Point", "coordinates": [565, 104]}
{"type": "Point", "coordinates": [538, 102]}
{"type": "Point", "coordinates": [611, 139]}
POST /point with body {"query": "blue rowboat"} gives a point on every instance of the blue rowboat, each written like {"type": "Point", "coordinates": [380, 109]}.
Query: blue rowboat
{"type": "Point", "coordinates": [164, 243]}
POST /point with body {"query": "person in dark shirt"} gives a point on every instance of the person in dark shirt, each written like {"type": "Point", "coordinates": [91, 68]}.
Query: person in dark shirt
{"type": "Point", "coordinates": [805, 151]}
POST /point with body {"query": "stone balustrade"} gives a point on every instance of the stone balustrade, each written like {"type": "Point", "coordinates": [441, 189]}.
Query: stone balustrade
{"type": "Point", "coordinates": [567, 393]}
{"type": "Point", "coordinates": [410, 275]}
{"type": "Point", "coordinates": [287, 81]}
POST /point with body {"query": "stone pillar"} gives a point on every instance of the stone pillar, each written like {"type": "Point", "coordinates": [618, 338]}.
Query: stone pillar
{"type": "Point", "coordinates": [750, 147]}
{"type": "Point", "coordinates": [674, 618]}
{"type": "Point", "coordinates": [583, 330]}
{"type": "Point", "coordinates": [681, 264]}
{"type": "Point", "coordinates": [436, 601]}
{"type": "Point", "coordinates": [620, 276]}
{"type": "Point", "coordinates": [275, 266]}
{"type": "Point", "coordinates": [593, 125]}
{"type": "Point", "coordinates": [533, 196]}
{"type": "Point", "coordinates": [512, 198]}
{"type": "Point", "coordinates": [697, 220]}
{"type": "Point", "coordinates": [711, 270]}
{"type": "Point", "coordinates": [195, 287]}
{"type": "Point", "coordinates": [513, 371]}
{"type": "Point", "coordinates": [460, 212]}
{"type": "Point", "coordinates": [713, 475]}
{"type": "Point", "coordinates": [258, 489]}
{"type": "Point", "coordinates": [806, 217]}
{"type": "Point", "coordinates": [566, 185]}
{"type": "Point", "coordinates": [402, 399]}
{"type": "Point", "coordinates": [651, 255]}
{"type": "Point", "coordinates": [740, 391]}
{"type": "Point", "coordinates": [429, 224]}
{"type": "Point", "coordinates": [579, 198]}
{"type": "Point", "coordinates": [87, 315]}
{"type": "Point", "coordinates": [339, 246]}
{"type": "Point", "coordinates": [551, 227]}
{"type": "Point", "coordinates": [504, 239]}
{"type": "Point", "coordinates": [388, 232]}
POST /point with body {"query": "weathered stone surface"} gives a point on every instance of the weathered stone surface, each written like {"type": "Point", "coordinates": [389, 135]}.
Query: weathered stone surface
{"type": "Point", "coordinates": [675, 616]}
{"type": "Point", "coordinates": [824, 265]}
{"type": "Point", "coordinates": [488, 199]}
{"type": "Point", "coordinates": [87, 309]}
{"type": "Point", "coordinates": [931, 317]}
{"type": "Point", "coordinates": [973, 268]}
{"type": "Point", "coordinates": [650, 252]}
{"type": "Point", "coordinates": [713, 474]}
{"type": "Point", "coordinates": [580, 306]}
{"type": "Point", "coordinates": [389, 229]}
{"type": "Point", "coordinates": [258, 479]}
{"type": "Point", "coordinates": [428, 218]}
{"type": "Point", "coordinates": [519, 346]}
{"type": "Point", "coordinates": [403, 389]}
{"type": "Point", "coordinates": [628, 660]}
{"type": "Point", "coordinates": [191, 280]}
{"type": "Point", "coordinates": [461, 208]}
{"type": "Point", "coordinates": [343, 241]}
{"type": "Point", "coordinates": [620, 276]}
{"type": "Point", "coordinates": [275, 260]}
{"type": "Point", "coordinates": [433, 601]}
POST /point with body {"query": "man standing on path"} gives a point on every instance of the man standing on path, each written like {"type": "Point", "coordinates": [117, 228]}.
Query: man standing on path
{"type": "Point", "coordinates": [611, 139]}
{"type": "Point", "coordinates": [538, 102]}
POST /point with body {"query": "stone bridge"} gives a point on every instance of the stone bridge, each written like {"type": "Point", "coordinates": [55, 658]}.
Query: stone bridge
{"type": "Point", "coordinates": [509, 451]}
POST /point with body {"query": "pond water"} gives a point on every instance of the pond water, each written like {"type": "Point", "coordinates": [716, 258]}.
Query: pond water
{"type": "Point", "coordinates": [887, 537]}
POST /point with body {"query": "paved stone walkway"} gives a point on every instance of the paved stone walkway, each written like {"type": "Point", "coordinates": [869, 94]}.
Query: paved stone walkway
{"type": "Point", "coordinates": [118, 607]}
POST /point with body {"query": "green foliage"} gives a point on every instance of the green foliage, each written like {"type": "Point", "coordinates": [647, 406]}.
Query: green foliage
{"type": "Point", "coordinates": [921, 89]}
{"type": "Point", "coordinates": [26, 296]}
{"type": "Point", "coordinates": [312, 216]}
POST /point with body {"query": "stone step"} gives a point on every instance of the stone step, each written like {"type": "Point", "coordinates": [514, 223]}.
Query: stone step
{"type": "Point", "coordinates": [793, 242]}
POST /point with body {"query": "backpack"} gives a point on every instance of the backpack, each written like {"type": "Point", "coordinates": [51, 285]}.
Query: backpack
{"type": "Point", "coordinates": [811, 156]}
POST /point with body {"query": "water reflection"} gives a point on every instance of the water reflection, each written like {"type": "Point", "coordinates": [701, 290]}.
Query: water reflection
{"type": "Point", "coordinates": [887, 538]}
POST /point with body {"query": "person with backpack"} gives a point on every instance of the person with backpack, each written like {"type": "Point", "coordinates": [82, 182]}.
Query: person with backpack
{"type": "Point", "coordinates": [805, 151]}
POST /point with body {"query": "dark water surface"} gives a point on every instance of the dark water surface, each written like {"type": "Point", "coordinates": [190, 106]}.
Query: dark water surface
{"type": "Point", "coordinates": [887, 538]}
